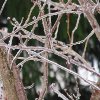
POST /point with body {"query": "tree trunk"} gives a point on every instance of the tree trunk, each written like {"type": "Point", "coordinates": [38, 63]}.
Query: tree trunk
{"type": "Point", "coordinates": [12, 84]}
{"type": "Point", "coordinates": [7, 77]}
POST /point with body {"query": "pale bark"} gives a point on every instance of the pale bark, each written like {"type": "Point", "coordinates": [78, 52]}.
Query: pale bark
{"type": "Point", "coordinates": [90, 17]}
{"type": "Point", "coordinates": [7, 78]}
{"type": "Point", "coordinates": [13, 86]}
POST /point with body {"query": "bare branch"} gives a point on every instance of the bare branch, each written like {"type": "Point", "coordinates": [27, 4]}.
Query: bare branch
{"type": "Point", "coordinates": [3, 6]}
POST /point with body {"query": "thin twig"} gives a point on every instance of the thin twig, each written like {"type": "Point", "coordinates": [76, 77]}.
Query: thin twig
{"type": "Point", "coordinates": [52, 86]}
{"type": "Point", "coordinates": [3, 6]}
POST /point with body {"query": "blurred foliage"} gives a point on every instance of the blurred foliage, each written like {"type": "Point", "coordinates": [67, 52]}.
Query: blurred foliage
{"type": "Point", "coordinates": [31, 73]}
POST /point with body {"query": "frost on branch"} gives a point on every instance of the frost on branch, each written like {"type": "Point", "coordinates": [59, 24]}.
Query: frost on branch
{"type": "Point", "coordinates": [48, 44]}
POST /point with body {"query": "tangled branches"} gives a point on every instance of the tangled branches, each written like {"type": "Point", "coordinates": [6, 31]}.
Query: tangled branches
{"type": "Point", "coordinates": [50, 44]}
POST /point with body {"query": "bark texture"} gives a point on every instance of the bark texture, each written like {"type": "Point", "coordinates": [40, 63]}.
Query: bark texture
{"type": "Point", "coordinates": [7, 78]}
{"type": "Point", "coordinates": [13, 86]}
{"type": "Point", "coordinates": [96, 93]}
